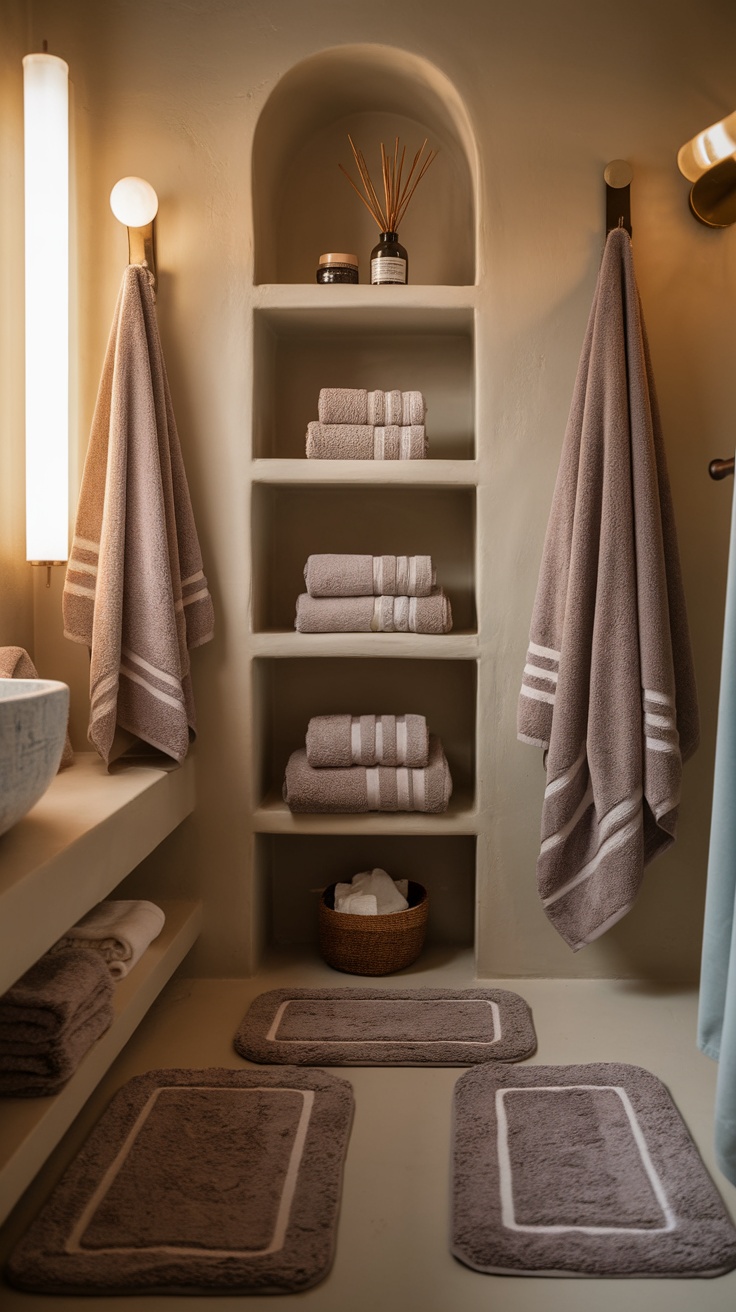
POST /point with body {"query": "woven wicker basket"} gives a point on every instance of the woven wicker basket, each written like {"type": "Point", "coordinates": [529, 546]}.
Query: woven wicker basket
{"type": "Point", "coordinates": [373, 945]}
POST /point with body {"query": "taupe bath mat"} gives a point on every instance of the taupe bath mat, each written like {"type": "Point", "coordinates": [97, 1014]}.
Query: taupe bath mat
{"type": "Point", "coordinates": [581, 1171]}
{"type": "Point", "coordinates": [386, 1027]}
{"type": "Point", "coordinates": [211, 1182]}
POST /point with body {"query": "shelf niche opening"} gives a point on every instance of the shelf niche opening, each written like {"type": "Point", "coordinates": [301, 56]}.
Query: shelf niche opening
{"type": "Point", "coordinates": [303, 205]}
{"type": "Point", "coordinates": [292, 868]}
{"type": "Point", "coordinates": [438, 522]}
{"type": "Point", "coordinates": [287, 692]}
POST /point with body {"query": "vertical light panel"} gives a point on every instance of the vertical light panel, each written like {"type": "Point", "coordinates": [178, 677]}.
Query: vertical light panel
{"type": "Point", "coordinates": [46, 119]}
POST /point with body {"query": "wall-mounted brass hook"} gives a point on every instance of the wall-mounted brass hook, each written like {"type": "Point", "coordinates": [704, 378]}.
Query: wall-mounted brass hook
{"type": "Point", "coordinates": [617, 176]}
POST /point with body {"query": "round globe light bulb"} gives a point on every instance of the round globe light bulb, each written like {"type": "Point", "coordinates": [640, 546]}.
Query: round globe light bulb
{"type": "Point", "coordinates": [134, 202]}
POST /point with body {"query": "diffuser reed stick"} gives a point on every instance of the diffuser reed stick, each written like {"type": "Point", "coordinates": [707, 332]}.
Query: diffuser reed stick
{"type": "Point", "coordinates": [397, 190]}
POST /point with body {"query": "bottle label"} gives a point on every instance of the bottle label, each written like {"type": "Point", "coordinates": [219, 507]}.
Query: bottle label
{"type": "Point", "coordinates": [388, 269]}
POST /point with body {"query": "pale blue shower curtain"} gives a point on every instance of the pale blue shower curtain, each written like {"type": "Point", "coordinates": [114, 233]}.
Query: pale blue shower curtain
{"type": "Point", "coordinates": [717, 1012]}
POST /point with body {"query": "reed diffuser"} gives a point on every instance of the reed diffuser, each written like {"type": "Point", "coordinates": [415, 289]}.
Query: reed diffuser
{"type": "Point", "coordinates": [389, 260]}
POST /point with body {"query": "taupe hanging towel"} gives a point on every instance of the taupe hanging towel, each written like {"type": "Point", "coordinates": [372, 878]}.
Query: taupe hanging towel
{"type": "Point", "coordinates": [608, 688]}
{"type": "Point", "coordinates": [135, 592]}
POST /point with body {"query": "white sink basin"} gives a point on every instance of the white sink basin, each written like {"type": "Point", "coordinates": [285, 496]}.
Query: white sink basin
{"type": "Point", "coordinates": [33, 720]}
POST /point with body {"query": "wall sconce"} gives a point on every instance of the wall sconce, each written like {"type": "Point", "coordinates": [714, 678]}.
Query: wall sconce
{"type": "Point", "coordinates": [134, 202]}
{"type": "Point", "coordinates": [46, 151]}
{"type": "Point", "coordinates": [709, 162]}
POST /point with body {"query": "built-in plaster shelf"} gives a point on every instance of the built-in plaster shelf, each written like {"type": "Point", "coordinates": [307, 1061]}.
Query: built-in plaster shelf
{"type": "Point", "coordinates": [274, 817]}
{"type": "Point", "coordinates": [281, 643]}
{"type": "Point", "coordinates": [365, 473]}
{"type": "Point", "coordinates": [428, 308]}
{"type": "Point", "coordinates": [88, 831]}
{"type": "Point", "coordinates": [30, 1128]}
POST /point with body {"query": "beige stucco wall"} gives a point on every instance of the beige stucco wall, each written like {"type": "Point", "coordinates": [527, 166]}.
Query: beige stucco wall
{"type": "Point", "coordinates": [171, 90]}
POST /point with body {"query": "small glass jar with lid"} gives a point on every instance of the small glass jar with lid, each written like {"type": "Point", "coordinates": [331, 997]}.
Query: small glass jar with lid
{"type": "Point", "coordinates": [337, 267]}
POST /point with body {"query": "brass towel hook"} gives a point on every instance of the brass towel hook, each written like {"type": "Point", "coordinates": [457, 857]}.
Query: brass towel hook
{"type": "Point", "coordinates": [617, 176]}
{"type": "Point", "coordinates": [720, 468]}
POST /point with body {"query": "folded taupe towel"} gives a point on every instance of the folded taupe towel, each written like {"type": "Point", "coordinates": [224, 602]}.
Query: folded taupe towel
{"type": "Point", "coordinates": [377, 788]}
{"type": "Point", "coordinates": [55, 993]}
{"type": "Point", "coordinates": [119, 931]}
{"type": "Point", "coordinates": [608, 689]}
{"type": "Point", "coordinates": [135, 593]}
{"type": "Point", "coordinates": [337, 741]}
{"type": "Point", "coordinates": [353, 405]}
{"type": "Point", "coordinates": [373, 614]}
{"type": "Point", "coordinates": [368, 576]}
{"type": "Point", "coordinates": [37, 1074]}
{"type": "Point", "coordinates": [15, 663]}
{"type": "Point", "coordinates": [366, 442]}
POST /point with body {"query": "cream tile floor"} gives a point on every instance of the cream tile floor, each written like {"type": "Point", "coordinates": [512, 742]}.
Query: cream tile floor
{"type": "Point", "coordinates": [392, 1252]}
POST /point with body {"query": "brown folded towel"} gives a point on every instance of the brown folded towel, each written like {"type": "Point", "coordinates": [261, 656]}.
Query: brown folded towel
{"type": "Point", "coordinates": [45, 1072]}
{"type": "Point", "coordinates": [15, 663]}
{"type": "Point", "coordinates": [365, 442]}
{"type": "Point", "coordinates": [353, 405]}
{"type": "Point", "coordinates": [337, 741]}
{"type": "Point", "coordinates": [58, 991]}
{"type": "Point", "coordinates": [373, 614]}
{"type": "Point", "coordinates": [135, 593]}
{"type": "Point", "coordinates": [360, 789]}
{"type": "Point", "coordinates": [368, 576]}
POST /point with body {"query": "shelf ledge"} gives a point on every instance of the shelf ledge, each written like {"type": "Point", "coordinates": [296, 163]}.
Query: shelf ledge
{"type": "Point", "coordinates": [88, 831]}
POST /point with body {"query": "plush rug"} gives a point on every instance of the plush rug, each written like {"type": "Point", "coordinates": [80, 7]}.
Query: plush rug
{"type": "Point", "coordinates": [386, 1027]}
{"type": "Point", "coordinates": [208, 1181]}
{"type": "Point", "coordinates": [581, 1171]}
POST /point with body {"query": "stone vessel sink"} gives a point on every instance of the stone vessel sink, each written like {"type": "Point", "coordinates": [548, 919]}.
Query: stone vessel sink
{"type": "Point", "coordinates": [33, 720]}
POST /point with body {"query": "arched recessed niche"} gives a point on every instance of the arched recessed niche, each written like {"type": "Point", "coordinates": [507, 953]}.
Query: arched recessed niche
{"type": "Point", "coordinates": [302, 204]}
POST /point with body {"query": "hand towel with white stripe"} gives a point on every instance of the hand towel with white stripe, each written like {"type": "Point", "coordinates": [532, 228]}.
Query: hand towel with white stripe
{"type": "Point", "coordinates": [608, 689]}
{"type": "Point", "coordinates": [135, 592]}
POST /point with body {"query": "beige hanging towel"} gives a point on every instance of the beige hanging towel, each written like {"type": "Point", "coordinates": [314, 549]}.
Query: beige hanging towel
{"type": "Point", "coordinates": [135, 592]}
{"type": "Point", "coordinates": [608, 689]}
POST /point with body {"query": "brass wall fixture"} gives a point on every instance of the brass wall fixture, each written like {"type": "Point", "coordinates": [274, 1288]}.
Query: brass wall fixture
{"type": "Point", "coordinates": [134, 202]}
{"type": "Point", "coordinates": [617, 176]}
{"type": "Point", "coordinates": [721, 468]}
{"type": "Point", "coordinates": [709, 162]}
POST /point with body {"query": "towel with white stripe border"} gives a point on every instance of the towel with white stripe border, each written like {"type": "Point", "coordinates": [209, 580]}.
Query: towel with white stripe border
{"type": "Point", "coordinates": [135, 591]}
{"type": "Point", "coordinates": [608, 689]}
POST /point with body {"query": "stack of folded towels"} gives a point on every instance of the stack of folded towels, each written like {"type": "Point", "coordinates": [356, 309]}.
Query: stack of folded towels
{"type": "Point", "coordinates": [371, 594]}
{"type": "Point", "coordinates": [357, 425]}
{"type": "Point", "coordinates": [372, 893]}
{"type": "Point", "coordinates": [358, 763]}
{"type": "Point", "coordinates": [50, 1018]}
{"type": "Point", "coordinates": [118, 932]}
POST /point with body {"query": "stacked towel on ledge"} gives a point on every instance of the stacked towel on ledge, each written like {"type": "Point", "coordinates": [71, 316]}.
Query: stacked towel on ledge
{"type": "Point", "coordinates": [49, 1019]}
{"type": "Point", "coordinates": [366, 442]}
{"type": "Point", "coordinates": [353, 405]}
{"type": "Point", "coordinates": [328, 575]}
{"type": "Point", "coordinates": [373, 614]}
{"type": "Point", "coordinates": [338, 741]}
{"type": "Point", "coordinates": [119, 932]}
{"type": "Point", "coordinates": [359, 788]}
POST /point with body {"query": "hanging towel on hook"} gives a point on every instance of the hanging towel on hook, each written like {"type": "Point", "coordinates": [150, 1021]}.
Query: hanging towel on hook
{"type": "Point", "coordinates": [135, 592]}
{"type": "Point", "coordinates": [608, 689]}
{"type": "Point", "coordinates": [717, 1006]}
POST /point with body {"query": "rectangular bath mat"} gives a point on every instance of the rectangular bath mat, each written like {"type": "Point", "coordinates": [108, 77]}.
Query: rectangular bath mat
{"type": "Point", "coordinates": [386, 1027]}
{"type": "Point", "coordinates": [581, 1171]}
{"type": "Point", "coordinates": [198, 1182]}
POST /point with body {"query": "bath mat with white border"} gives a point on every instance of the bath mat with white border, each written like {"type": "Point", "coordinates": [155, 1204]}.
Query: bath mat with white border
{"type": "Point", "coordinates": [206, 1181]}
{"type": "Point", "coordinates": [581, 1171]}
{"type": "Point", "coordinates": [386, 1027]}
